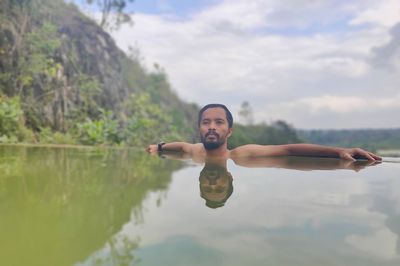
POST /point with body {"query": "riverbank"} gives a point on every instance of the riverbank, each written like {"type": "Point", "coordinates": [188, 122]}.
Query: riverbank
{"type": "Point", "coordinates": [88, 147]}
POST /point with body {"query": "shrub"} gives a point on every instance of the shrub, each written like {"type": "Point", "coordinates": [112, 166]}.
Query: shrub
{"type": "Point", "coordinates": [12, 128]}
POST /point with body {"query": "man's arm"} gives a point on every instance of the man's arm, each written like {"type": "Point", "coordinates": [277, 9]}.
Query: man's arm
{"type": "Point", "coordinates": [310, 150]}
{"type": "Point", "coordinates": [173, 147]}
{"type": "Point", "coordinates": [303, 163]}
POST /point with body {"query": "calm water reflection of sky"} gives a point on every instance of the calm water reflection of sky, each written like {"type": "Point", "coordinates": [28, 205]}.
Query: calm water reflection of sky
{"type": "Point", "coordinates": [279, 216]}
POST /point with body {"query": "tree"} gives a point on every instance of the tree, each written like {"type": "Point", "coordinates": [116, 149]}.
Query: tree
{"type": "Point", "coordinates": [147, 122]}
{"type": "Point", "coordinates": [115, 8]}
{"type": "Point", "coordinates": [246, 113]}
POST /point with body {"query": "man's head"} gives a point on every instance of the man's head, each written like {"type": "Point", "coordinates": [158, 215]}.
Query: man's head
{"type": "Point", "coordinates": [228, 113]}
{"type": "Point", "coordinates": [215, 125]}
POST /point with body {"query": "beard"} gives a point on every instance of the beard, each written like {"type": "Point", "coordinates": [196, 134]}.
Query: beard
{"type": "Point", "coordinates": [213, 144]}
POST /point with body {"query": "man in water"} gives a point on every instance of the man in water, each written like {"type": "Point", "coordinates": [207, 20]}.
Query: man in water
{"type": "Point", "coordinates": [215, 123]}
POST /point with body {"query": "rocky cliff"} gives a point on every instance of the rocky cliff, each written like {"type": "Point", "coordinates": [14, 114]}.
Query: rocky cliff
{"type": "Point", "coordinates": [65, 67]}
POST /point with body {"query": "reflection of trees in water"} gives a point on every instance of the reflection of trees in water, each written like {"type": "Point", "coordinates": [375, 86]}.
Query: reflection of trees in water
{"type": "Point", "coordinates": [121, 252]}
{"type": "Point", "coordinates": [60, 205]}
{"type": "Point", "coordinates": [386, 202]}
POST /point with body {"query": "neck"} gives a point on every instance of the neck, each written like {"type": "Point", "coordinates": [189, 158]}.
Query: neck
{"type": "Point", "coordinates": [212, 162]}
{"type": "Point", "coordinates": [220, 152]}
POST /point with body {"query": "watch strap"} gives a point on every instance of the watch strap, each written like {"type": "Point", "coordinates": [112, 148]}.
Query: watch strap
{"type": "Point", "coordinates": [160, 145]}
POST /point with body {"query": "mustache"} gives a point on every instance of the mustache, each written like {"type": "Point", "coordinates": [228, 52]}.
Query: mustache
{"type": "Point", "coordinates": [212, 133]}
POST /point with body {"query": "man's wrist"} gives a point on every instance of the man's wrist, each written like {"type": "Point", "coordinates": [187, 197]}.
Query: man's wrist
{"type": "Point", "coordinates": [160, 146]}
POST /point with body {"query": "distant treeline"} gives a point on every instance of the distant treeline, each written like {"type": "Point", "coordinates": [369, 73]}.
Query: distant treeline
{"type": "Point", "coordinates": [279, 132]}
{"type": "Point", "coordinates": [371, 139]}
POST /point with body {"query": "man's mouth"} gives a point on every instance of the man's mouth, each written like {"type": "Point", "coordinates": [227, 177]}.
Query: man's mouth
{"type": "Point", "coordinates": [212, 135]}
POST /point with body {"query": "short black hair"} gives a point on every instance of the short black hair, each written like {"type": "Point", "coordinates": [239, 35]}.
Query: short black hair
{"type": "Point", "coordinates": [228, 113]}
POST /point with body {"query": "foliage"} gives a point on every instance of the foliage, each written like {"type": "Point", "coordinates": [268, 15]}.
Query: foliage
{"type": "Point", "coordinates": [46, 135]}
{"type": "Point", "coordinates": [246, 113]}
{"type": "Point", "coordinates": [38, 62]}
{"type": "Point", "coordinates": [112, 12]}
{"type": "Point", "coordinates": [89, 89]}
{"type": "Point", "coordinates": [147, 122]}
{"type": "Point", "coordinates": [29, 66]}
{"type": "Point", "coordinates": [12, 128]}
{"type": "Point", "coordinates": [29, 44]}
{"type": "Point", "coordinates": [101, 131]}
{"type": "Point", "coordinates": [278, 132]}
{"type": "Point", "coordinates": [184, 116]}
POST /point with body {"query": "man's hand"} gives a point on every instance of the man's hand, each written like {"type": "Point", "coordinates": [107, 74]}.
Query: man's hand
{"type": "Point", "coordinates": [356, 153]}
{"type": "Point", "coordinates": [153, 149]}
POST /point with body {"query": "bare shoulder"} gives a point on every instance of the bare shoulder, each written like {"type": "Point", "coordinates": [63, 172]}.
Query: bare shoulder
{"type": "Point", "coordinates": [197, 148]}
{"type": "Point", "coordinates": [255, 150]}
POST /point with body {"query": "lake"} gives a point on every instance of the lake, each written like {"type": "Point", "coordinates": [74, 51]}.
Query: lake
{"type": "Point", "coordinates": [87, 206]}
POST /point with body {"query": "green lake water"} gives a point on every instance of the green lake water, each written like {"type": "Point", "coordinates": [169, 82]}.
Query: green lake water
{"type": "Point", "coordinates": [79, 206]}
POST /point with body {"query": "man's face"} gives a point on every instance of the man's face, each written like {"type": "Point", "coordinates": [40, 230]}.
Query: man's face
{"type": "Point", "coordinates": [214, 128]}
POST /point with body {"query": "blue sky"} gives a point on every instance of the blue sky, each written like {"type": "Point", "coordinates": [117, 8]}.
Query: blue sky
{"type": "Point", "coordinates": [315, 64]}
{"type": "Point", "coordinates": [181, 8]}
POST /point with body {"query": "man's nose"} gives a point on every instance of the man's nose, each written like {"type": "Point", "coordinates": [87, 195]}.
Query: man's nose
{"type": "Point", "coordinates": [211, 126]}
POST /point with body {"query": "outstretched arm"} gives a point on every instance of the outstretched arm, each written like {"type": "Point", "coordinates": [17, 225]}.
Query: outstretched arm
{"type": "Point", "coordinates": [173, 147]}
{"type": "Point", "coordinates": [313, 150]}
{"type": "Point", "coordinates": [310, 150]}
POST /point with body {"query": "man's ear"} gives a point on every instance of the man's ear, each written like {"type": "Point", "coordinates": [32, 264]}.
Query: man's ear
{"type": "Point", "coordinates": [230, 131]}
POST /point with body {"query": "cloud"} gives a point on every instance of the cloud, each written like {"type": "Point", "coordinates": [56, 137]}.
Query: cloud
{"type": "Point", "coordinates": [380, 243]}
{"type": "Point", "coordinates": [329, 111]}
{"type": "Point", "coordinates": [388, 55]}
{"type": "Point", "coordinates": [274, 52]}
{"type": "Point", "coordinates": [338, 104]}
{"type": "Point", "coordinates": [384, 13]}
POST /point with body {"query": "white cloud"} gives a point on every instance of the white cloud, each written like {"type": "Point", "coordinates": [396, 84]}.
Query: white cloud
{"type": "Point", "coordinates": [351, 104]}
{"type": "Point", "coordinates": [381, 243]}
{"type": "Point", "coordinates": [384, 13]}
{"type": "Point", "coordinates": [329, 111]}
{"type": "Point", "coordinates": [274, 52]}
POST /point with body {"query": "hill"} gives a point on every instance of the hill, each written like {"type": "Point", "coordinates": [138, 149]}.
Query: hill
{"type": "Point", "coordinates": [62, 73]}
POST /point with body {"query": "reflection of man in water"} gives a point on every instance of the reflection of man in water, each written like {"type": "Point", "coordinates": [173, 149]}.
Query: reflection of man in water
{"type": "Point", "coordinates": [215, 185]}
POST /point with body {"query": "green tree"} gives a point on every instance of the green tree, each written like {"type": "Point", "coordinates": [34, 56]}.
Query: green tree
{"type": "Point", "coordinates": [37, 63]}
{"type": "Point", "coordinates": [147, 122]}
{"type": "Point", "coordinates": [12, 127]}
{"type": "Point", "coordinates": [246, 113]}
{"type": "Point", "coordinates": [101, 131]}
{"type": "Point", "coordinates": [112, 12]}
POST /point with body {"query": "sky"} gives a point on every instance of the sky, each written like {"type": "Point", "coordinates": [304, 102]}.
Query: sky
{"type": "Point", "coordinates": [317, 64]}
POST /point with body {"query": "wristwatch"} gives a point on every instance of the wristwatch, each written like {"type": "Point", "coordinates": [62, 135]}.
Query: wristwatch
{"type": "Point", "coordinates": [159, 146]}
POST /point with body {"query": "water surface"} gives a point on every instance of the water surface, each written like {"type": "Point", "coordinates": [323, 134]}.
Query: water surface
{"type": "Point", "coordinates": [123, 207]}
